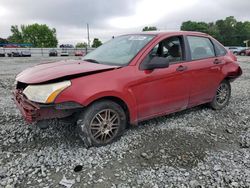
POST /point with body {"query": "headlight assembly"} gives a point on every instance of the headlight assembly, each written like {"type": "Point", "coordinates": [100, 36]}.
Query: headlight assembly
{"type": "Point", "coordinates": [45, 93]}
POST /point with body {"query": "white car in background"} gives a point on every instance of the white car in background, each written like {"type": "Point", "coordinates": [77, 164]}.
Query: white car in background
{"type": "Point", "coordinates": [235, 49]}
{"type": "Point", "coordinates": [64, 53]}
{"type": "Point", "coordinates": [2, 53]}
{"type": "Point", "coordinates": [25, 53]}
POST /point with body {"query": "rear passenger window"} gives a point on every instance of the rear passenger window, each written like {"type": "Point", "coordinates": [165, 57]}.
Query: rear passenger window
{"type": "Point", "coordinates": [219, 49]}
{"type": "Point", "coordinates": [201, 47]}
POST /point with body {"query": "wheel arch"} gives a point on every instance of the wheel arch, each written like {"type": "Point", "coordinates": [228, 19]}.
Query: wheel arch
{"type": "Point", "coordinates": [232, 75]}
{"type": "Point", "coordinates": [125, 106]}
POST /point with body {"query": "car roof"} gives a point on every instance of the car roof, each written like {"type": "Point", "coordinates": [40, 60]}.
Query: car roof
{"type": "Point", "coordinates": [164, 33]}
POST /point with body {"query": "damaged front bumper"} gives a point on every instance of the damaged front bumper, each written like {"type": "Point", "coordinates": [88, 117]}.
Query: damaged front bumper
{"type": "Point", "coordinates": [33, 112]}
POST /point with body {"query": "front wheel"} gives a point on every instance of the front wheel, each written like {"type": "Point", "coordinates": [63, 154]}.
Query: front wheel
{"type": "Point", "coordinates": [101, 123]}
{"type": "Point", "coordinates": [222, 96]}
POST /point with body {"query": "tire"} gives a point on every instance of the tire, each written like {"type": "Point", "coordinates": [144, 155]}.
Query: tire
{"type": "Point", "coordinates": [222, 96]}
{"type": "Point", "coordinates": [242, 54]}
{"type": "Point", "coordinates": [101, 123]}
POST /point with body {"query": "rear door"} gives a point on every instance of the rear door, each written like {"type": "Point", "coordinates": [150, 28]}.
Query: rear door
{"type": "Point", "coordinates": [205, 67]}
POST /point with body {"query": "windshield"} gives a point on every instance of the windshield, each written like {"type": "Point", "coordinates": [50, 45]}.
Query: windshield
{"type": "Point", "coordinates": [119, 51]}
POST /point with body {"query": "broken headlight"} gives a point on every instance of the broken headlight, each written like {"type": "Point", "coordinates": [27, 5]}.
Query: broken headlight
{"type": "Point", "coordinates": [45, 93]}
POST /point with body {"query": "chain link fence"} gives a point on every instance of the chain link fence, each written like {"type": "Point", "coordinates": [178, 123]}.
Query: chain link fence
{"type": "Point", "coordinates": [40, 52]}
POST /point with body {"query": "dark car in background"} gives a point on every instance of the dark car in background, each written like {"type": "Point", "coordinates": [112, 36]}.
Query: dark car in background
{"type": "Point", "coordinates": [244, 52]}
{"type": "Point", "coordinates": [53, 52]}
{"type": "Point", "coordinates": [19, 54]}
{"type": "Point", "coordinates": [14, 54]}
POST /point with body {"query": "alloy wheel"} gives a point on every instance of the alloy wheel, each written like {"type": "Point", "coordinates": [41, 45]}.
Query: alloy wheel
{"type": "Point", "coordinates": [104, 125]}
{"type": "Point", "coordinates": [222, 94]}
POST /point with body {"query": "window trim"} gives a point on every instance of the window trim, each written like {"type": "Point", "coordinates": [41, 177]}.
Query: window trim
{"type": "Point", "coordinates": [216, 51]}
{"type": "Point", "coordinates": [189, 49]}
{"type": "Point", "coordinates": [183, 48]}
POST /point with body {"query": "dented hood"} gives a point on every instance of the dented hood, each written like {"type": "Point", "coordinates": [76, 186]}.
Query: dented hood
{"type": "Point", "coordinates": [51, 71]}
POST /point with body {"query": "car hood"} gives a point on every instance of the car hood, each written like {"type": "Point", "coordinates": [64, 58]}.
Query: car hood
{"type": "Point", "coordinates": [68, 68]}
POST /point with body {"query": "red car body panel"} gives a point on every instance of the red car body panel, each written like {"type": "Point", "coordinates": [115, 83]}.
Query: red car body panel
{"type": "Point", "coordinates": [146, 94]}
{"type": "Point", "coordinates": [51, 71]}
{"type": "Point", "coordinates": [79, 53]}
{"type": "Point", "coordinates": [35, 112]}
{"type": "Point", "coordinates": [203, 89]}
{"type": "Point", "coordinates": [248, 52]}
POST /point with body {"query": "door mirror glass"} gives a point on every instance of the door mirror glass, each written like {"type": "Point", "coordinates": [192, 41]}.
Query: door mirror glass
{"type": "Point", "coordinates": [156, 63]}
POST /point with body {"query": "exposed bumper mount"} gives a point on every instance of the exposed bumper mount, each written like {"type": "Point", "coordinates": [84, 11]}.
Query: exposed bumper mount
{"type": "Point", "coordinates": [33, 112]}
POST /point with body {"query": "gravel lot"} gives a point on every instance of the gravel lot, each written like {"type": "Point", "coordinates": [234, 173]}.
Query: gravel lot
{"type": "Point", "coordinates": [197, 147]}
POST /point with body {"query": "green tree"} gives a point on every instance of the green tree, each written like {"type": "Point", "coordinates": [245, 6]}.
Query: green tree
{"type": "Point", "coordinates": [16, 36]}
{"type": "Point", "coordinates": [213, 31]}
{"type": "Point", "coordinates": [149, 28]}
{"type": "Point", "coordinates": [229, 31]}
{"type": "Point", "coordinates": [194, 26]}
{"type": "Point", "coordinates": [96, 43]}
{"type": "Point", "coordinates": [3, 41]}
{"type": "Point", "coordinates": [81, 45]}
{"type": "Point", "coordinates": [38, 35]}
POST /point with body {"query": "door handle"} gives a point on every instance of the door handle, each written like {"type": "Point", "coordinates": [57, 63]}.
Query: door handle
{"type": "Point", "coordinates": [181, 68]}
{"type": "Point", "coordinates": [217, 61]}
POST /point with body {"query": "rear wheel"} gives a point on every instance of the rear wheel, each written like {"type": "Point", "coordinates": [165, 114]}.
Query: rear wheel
{"type": "Point", "coordinates": [222, 96]}
{"type": "Point", "coordinates": [101, 123]}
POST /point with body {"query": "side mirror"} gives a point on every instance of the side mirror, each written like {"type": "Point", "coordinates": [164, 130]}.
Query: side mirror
{"type": "Point", "coordinates": [155, 63]}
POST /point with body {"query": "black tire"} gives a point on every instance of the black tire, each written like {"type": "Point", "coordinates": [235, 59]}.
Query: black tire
{"type": "Point", "coordinates": [222, 96]}
{"type": "Point", "coordinates": [95, 123]}
{"type": "Point", "coordinates": [242, 54]}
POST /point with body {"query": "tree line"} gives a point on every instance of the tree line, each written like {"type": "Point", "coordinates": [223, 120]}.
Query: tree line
{"type": "Point", "coordinates": [229, 31]}
{"type": "Point", "coordinates": [38, 35]}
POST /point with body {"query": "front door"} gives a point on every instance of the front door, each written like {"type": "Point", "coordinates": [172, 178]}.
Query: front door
{"type": "Point", "coordinates": [163, 90]}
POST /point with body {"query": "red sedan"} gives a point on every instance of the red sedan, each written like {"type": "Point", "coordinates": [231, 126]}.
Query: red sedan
{"type": "Point", "coordinates": [79, 53]}
{"type": "Point", "coordinates": [129, 79]}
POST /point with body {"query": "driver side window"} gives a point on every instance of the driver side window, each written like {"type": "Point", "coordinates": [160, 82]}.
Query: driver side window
{"type": "Point", "coordinates": [170, 48]}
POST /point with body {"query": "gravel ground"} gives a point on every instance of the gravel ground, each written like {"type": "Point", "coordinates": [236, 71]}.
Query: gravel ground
{"type": "Point", "coordinates": [197, 147]}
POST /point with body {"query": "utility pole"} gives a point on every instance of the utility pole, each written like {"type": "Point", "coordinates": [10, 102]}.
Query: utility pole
{"type": "Point", "coordinates": [88, 34]}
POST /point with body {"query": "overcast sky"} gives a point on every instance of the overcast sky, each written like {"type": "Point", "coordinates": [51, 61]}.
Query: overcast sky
{"type": "Point", "coordinates": [113, 17]}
